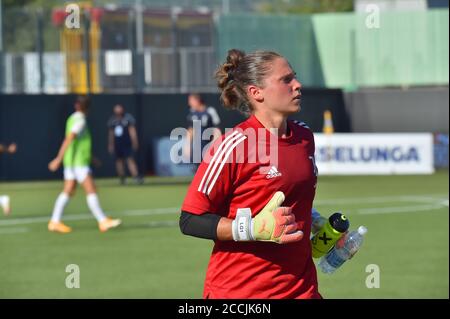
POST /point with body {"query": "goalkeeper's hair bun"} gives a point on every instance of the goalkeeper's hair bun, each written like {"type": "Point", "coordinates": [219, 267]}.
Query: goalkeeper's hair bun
{"type": "Point", "coordinates": [239, 71]}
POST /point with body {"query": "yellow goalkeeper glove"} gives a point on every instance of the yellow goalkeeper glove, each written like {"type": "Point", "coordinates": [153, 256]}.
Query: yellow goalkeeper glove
{"type": "Point", "coordinates": [273, 223]}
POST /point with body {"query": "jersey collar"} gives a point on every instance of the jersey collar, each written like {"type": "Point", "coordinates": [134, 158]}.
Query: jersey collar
{"type": "Point", "coordinates": [290, 139]}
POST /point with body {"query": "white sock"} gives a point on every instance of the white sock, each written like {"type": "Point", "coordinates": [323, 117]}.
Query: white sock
{"type": "Point", "coordinates": [3, 199]}
{"type": "Point", "coordinates": [60, 203]}
{"type": "Point", "coordinates": [94, 206]}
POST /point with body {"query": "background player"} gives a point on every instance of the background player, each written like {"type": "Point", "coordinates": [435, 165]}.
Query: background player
{"type": "Point", "coordinates": [122, 142]}
{"type": "Point", "coordinates": [199, 119]}
{"type": "Point", "coordinates": [5, 201]}
{"type": "Point", "coordinates": [236, 201]}
{"type": "Point", "coordinates": [75, 154]}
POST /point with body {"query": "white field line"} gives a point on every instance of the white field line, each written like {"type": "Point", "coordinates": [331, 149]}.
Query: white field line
{"type": "Point", "coordinates": [399, 209]}
{"type": "Point", "coordinates": [435, 201]}
{"type": "Point", "coordinates": [45, 219]}
{"type": "Point", "coordinates": [383, 199]}
{"type": "Point", "coordinates": [13, 230]}
{"type": "Point", "coordinates": [155, 211]}
{"type": "Point", "coordinates": [162, 223]}
{"type": "Point", "coordinates": [154, 224]}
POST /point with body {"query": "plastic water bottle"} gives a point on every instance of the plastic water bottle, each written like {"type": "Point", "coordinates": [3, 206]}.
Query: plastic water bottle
{"type": "Point", "coordinates": [343, 250]}
{"type": "Point", "coordinates": [317, 222]}
{"type": "Point", "coordinates": [332, 230]}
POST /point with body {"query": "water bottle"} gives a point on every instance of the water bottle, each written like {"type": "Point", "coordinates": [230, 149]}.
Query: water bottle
{"type": "Point", "coordinates": [344, 249]}
{"type": "Point", "coordinates": [325, 238]}
{"type": "Point", "coordinates": [317, 222]}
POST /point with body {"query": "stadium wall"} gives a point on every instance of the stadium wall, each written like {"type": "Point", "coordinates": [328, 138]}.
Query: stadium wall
{"type": "Point", "coordinates": [343, 50]}
{"type": "Point", "coordinates": [420, 109]}
{"type": "Point", "coordinates": [36, 123]}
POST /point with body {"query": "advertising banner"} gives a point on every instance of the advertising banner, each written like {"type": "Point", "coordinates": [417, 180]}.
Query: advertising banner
{"type": "Point", "coordinates": [379, 153]}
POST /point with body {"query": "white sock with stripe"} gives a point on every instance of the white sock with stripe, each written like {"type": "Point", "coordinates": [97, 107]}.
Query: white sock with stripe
{"type": "Point", "coordinates": [58, 210]}
{"type": "Point", "coordinates": [94, 206]}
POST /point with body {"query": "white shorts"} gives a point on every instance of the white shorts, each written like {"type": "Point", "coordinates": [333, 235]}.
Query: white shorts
{"type": "Point", "coordinates": [79, 173]}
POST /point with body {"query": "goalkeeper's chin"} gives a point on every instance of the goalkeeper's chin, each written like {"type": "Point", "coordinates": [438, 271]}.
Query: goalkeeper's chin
{"type": "Point", "coordinates": [294, 107]}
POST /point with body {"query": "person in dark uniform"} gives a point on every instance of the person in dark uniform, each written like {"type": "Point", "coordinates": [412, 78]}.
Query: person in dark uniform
{"type": "Point", "coordinates": [123, 143]}
{"type": "Point", "coordinates": [202, 125]}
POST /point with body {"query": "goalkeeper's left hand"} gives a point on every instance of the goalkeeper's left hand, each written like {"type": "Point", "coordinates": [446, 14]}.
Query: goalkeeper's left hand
{"type": "Point", "coordinates": [273, 223]}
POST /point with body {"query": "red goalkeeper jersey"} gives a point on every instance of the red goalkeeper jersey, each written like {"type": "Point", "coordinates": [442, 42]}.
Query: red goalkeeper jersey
{"type": "Point", "coordinates": [237, 174]}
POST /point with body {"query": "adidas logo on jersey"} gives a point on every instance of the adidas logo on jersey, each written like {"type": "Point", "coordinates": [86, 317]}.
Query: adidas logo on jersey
{"type": "Point", "coordinates": [273, 172]}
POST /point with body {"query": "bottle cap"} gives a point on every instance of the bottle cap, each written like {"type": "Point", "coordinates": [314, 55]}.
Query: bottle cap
{"type": "Point", "coordinates": [362, 230]}
{"type": "Point", "coordinates": [339, 222]}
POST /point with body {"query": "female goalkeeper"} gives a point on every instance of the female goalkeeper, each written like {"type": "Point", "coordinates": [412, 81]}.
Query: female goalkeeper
{"type": "Point", "coordinates": [255, 207]}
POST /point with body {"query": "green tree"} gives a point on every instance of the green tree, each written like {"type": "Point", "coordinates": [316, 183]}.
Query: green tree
{"type": "Point", "coordinates": [305, 6]}
{"type": "Point", "coordinates": [20, 24]}
{"type": "Point", "coordinates": [44, 4]}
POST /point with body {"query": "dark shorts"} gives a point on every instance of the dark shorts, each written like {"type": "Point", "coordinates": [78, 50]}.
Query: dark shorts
{"type": "Point", "coordinates": [123, 152]}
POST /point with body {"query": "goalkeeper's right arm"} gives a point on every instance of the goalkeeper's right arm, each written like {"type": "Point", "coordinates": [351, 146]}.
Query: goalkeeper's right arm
{"type": "Point", "coordinates": [273, 223]}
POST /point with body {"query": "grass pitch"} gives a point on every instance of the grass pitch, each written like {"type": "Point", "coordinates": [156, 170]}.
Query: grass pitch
{"type": "Point", "coordinates": [148, 257]}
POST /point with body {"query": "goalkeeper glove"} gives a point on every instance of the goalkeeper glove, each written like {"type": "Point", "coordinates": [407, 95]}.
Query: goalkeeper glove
{"type": "Point", "coordinates": [273, 223]}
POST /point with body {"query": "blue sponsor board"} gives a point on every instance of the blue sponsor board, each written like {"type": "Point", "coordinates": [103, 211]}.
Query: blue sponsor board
{"type": "Point", "coordinates": [164, 165]}
{"type": "Point", "coordinates": [440, 150]}
{"type": "Point", "coordinates": [339, 154]}
{"type": "Point", "coordinates": [367, 154]}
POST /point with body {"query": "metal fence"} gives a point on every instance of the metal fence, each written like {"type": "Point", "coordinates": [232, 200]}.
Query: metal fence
{"type": "Point", "coordinates": [173, 49]}
{"type": "Point", "coordinates": [120, 50]}
{"type": "Point", "coordinates": [158, 72]}
{"type": "Point", "coordinates": [22, 74]}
